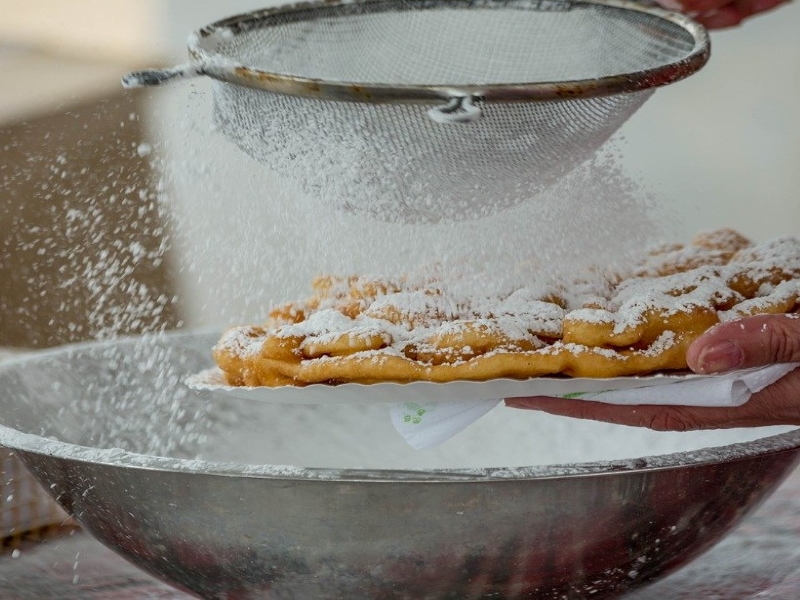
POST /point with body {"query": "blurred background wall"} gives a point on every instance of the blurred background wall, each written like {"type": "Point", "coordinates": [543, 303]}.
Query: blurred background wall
{"type": "Point", "coordinates": [81, 234]}
{"type": "Point", "coordinates": [719, 149]}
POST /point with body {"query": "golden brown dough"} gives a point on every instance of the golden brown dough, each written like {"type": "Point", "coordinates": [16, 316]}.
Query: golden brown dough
{"type": "Point", "coordinates": [368, 330]}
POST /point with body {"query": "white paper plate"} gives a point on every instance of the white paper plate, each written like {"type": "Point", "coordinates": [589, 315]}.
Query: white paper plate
{"type": "Point", "coordinates": [424, 391]}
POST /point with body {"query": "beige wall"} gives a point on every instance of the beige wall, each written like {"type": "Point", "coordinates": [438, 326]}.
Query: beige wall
{"type": "Point", "coordinates": [80, 237]}
{"type": "Point", "coordinates": [96, 29]}
{"type": "Point", "coordinates": [723, 147]}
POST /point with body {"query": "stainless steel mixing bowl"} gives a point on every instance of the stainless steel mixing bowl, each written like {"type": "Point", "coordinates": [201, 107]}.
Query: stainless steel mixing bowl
{"type": "Point", "coordinates": [189, 487]}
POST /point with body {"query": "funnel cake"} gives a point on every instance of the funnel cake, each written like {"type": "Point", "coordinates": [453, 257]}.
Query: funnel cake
{"type": "Point", "coordinates": [366, 330]}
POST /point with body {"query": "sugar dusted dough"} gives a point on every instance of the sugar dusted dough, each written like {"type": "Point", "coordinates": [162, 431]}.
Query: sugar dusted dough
{"type": "Point", "coordinates": [367, 330]}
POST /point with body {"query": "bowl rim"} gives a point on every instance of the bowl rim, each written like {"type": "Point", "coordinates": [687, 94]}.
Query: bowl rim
{"type": "Point", "coordinates": [28, 443]}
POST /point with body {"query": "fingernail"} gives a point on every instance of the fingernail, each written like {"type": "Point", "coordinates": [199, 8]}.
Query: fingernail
{"type": "Point", "coordinates": [722, 356]}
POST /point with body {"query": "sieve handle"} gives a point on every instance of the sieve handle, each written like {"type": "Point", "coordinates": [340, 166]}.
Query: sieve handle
{"type": "Point", "coordinates": [153, 77]}
{"type": "Point", "coordinates": [460, 109]}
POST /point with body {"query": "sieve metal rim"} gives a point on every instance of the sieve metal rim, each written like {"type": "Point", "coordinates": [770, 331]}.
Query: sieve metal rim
{"type": "Point", "coordinates": [201, 49]}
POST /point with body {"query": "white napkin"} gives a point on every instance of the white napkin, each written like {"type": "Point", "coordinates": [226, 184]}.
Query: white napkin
{"type": "Point", "coordinates": [426, 425]}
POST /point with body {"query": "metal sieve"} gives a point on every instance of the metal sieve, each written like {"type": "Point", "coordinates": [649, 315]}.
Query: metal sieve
{"type": "Point", "coordinates": [422, 110]}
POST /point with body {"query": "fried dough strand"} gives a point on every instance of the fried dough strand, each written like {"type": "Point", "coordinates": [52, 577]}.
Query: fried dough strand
{"type": "Point", "coordinates": [369, 330]}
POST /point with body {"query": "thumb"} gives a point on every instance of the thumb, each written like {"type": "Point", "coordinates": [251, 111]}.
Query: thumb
{"type": "Point", "coordinates": [748, 342]}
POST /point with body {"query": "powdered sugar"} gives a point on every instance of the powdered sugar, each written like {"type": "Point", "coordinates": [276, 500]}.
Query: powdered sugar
{"type": "Point", "coordinates": [322, 322]}
{"type": "Point", "coordinates": [242, 341]}
{"type": "Point", "coordinates": [661, 344]}
{"type": "Point", "coordinates": [785, 293]}
{"type": "Point", "coordinates": [432, 322]}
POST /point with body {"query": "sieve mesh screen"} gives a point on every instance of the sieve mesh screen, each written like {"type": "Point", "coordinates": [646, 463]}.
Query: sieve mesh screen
{"type": "Point", "coordinates": [423, 110]}
{"type": "Point", "coordinates": [394, 162]}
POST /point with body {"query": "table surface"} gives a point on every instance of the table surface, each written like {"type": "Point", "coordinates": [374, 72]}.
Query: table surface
{"type": "Point", "coordinates": [759, 559]}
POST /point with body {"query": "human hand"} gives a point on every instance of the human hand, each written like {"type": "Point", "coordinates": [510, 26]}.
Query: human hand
{"type": "Point", "coordinates": [749, 342]}
{"type": "Point", "coordinates": [719, 14]}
